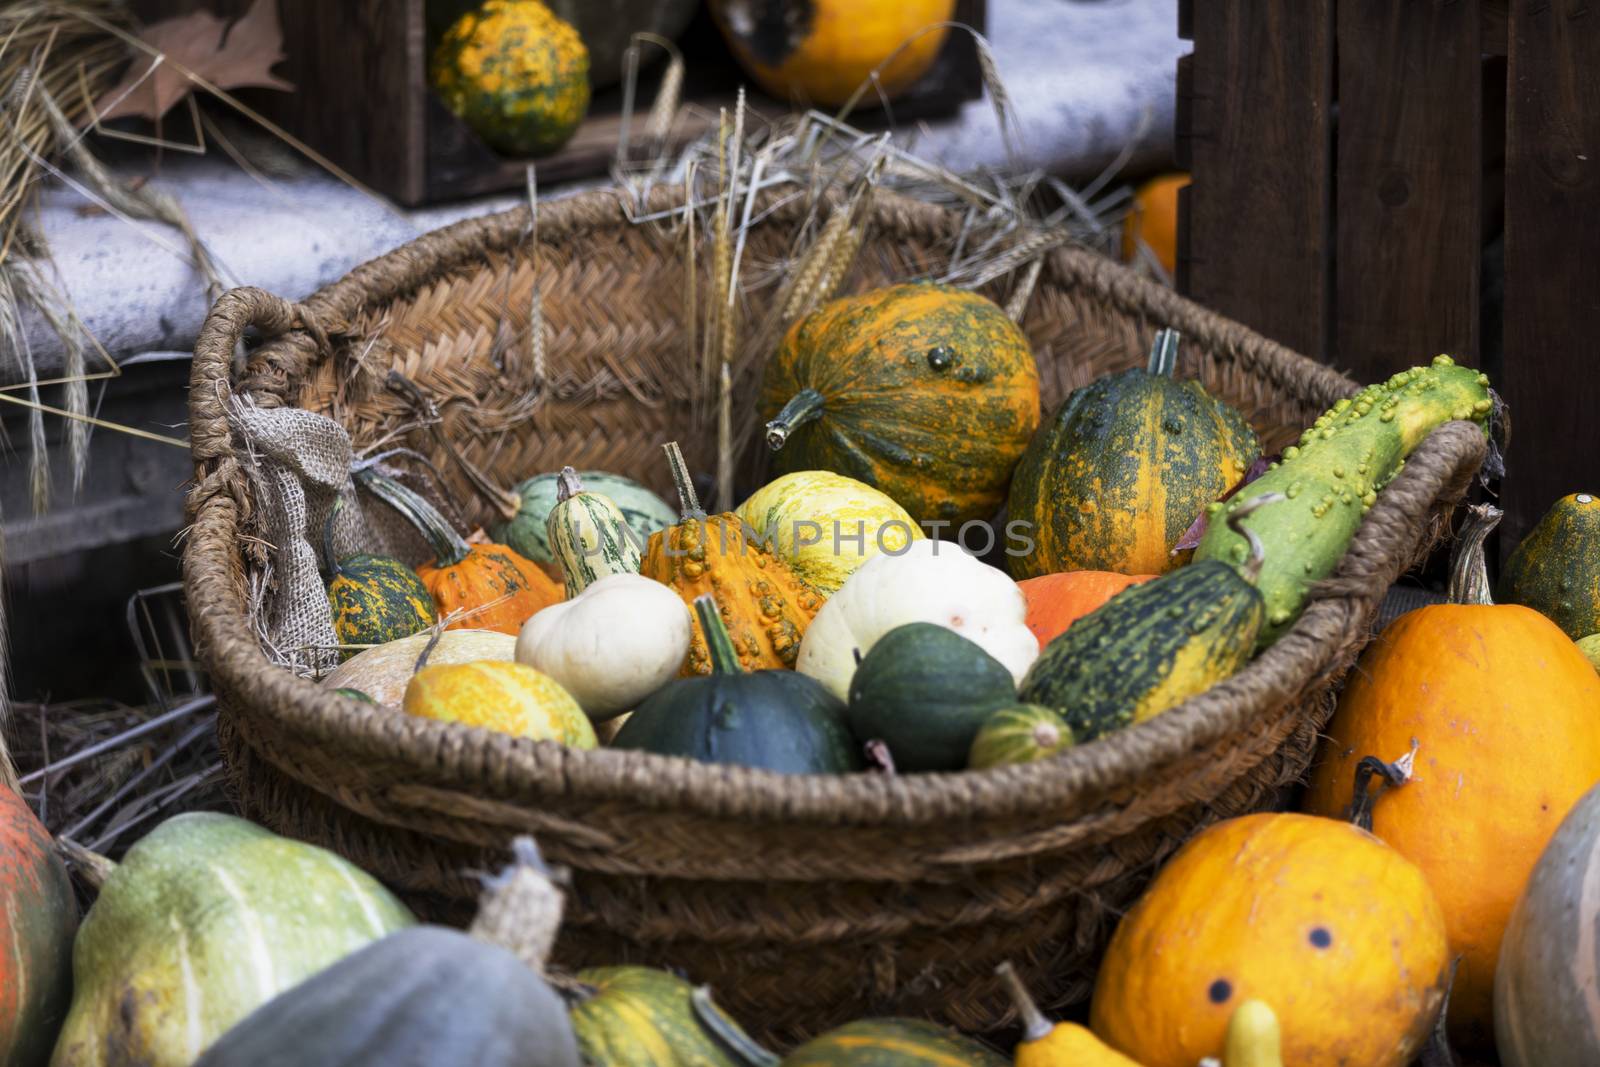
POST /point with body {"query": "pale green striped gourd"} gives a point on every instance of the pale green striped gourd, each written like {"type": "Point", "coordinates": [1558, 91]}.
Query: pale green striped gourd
{"type": "Point", "coordinates": [589, 536]}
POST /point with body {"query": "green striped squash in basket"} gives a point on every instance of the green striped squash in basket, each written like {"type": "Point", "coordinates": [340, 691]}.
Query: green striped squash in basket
{"type": "Point", "coordinates": [589, 535]}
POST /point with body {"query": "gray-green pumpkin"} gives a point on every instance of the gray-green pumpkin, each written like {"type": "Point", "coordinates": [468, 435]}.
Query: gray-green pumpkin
{"type": "Point", "coordinates": [206, 919]}
{"type": "Point", "coordinates": [526, 532]}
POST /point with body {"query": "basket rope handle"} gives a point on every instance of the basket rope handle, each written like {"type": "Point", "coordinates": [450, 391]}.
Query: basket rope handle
{"type": "Point", "coordinates": [211, 385]}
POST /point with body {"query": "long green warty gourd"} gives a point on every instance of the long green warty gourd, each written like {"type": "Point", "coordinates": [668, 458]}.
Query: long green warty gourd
{"type": "Point", "coordinates": [1333, 476]}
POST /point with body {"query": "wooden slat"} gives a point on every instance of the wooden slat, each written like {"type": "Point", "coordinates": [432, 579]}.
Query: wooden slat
{"type": "Point", "coordinates": [1410, 182]}
{"type": "Point", "coordinates": [1260, 152]}
{"type": "Point", "coordinates": [1496, 29]}
{"type": "Point", "coordinates": [1552, 315]}
{"type": "Point", "coordinates": [1183, 114]}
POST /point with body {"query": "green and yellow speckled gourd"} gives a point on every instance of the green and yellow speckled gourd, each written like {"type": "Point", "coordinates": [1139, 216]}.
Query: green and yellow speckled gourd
{"type": "Point", "coordinates": [589, 535]}
{"type": "Point", "coordinates": [526, 510]}
{"type": "Point", "coordinates": [374, 599]}
{"type": "Point", "coordinates": [1556, 569]}
{"type": "Point", "coordinates": [1333, 476]}
{"type": "Point", "coordinates": [1155, 645]}
{"type": "Point", "coordinates": [642, 1017]}
{"type": "Point", "coordinates": [1590, 647]}
{"type": "Point", "coordinates": [516, 74]}
{"type": "Point", "coordinates": [1122, 470]}
{"type": "Point", "coordinates": [925, 392]}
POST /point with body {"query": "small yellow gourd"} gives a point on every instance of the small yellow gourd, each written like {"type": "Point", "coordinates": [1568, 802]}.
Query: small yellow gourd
{"type": "Point", "coordinates": [1253, 1039]}
{"type": "Point", "coordinates": [1047, 1044]}
{"type": "Point", "coordinates": [512, 698]}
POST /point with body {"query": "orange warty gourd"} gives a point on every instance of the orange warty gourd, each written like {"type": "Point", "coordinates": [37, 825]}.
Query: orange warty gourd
{"type": "Point", "coordinates": [821, 51]}
{"type": "Point", "coordinates": [1154, 220]}
{"type": "Point", "coordinates": [493, 587]}
{"type": "Point", "coordinates": [765, 608]}
{"type": "Point", "coordinates": [1056, 601]}
{"type": "Point", "coordinates": [1339, 931]}
{"type": "Point", "coordinates": [1504, 712]}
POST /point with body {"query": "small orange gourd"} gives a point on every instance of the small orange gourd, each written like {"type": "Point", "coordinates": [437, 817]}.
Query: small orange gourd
{"type": "Point", "coordinates": [1503, 711]}
{"type": "Point", "coordinates": [492, 586]}
{"type": "Point", "coordinates": [1154, 220]}
{"type": "Point", "coordinates": [764, 606]}
{"type": "Point", "coordinates": [1056, 601]}
{"type": "Point", "coordinates": [1339, 930]}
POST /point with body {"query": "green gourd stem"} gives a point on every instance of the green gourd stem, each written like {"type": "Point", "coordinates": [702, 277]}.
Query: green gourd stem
{"type": "Point", "coordinates": [724, 659]}
{"type": "Point", "coordinates": [334, 570]}
{"type": "Point", "coordinates": [1035, 1026]}
{"type": "Point", "coordinates": [806, 405]}
{"type": "Point", "coordinates": [1250, 571]}
{"type": "Point", "coordinates": [92, 867]}
{"type": "Point", "coordinates": [504, 501]}
{"type": "Point", "coordinates": [688, 502]}
{"type": "Point", "coordinates": [1469, 573]}
{"type": "Point", "coordinates": [740, 1045]}
{"type": "Point", "coordinates": [449, 547]}
{"type": "Point", "coordinates": [1164, 354]}
{"type": "Point", "coordinates": [568, 484]}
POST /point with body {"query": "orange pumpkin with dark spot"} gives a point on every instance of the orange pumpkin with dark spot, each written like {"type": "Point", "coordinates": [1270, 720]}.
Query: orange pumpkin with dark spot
{"type": "Point", "coordinates": [38, 917]}
{"type": "Point", "coordinates": [490, 585]}
{"type": "Point", "coordinates": [1056, 601]}
{"type": "Point", "coordinates": [1505, 714]}
{"type": "Point", "coordinates": [1338, 931]}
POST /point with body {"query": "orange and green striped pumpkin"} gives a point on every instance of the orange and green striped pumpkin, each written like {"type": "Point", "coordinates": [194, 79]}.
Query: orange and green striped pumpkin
{"type": "Point", "coordinates": [925, 392]}
{"type": "Point", "coordinates": [893, 1043]}
{"type": "Point", "coordinates": [1556, 569]}
{"type": "Point", "coordinates": [38, 916]}
{"type": "Point", "coordinates": [1124, 469]}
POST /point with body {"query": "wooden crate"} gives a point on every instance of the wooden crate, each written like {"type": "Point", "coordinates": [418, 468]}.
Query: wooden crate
{"type": "Point", "coordinates": [1353, 162]}
{"type": "Point", "coordinates": [362, 97]}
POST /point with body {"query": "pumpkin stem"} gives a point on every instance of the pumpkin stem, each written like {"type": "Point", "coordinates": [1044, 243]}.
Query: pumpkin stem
{"type": "Point", "coordinates": [449, 547]}
{"type": "Point", "coordinates": [1035, 1027]}
{"type": "Point", "coordinates": [688, 502]}
{"type": "Point", "coordinates": [724, 659]}
{"type": "Point", "coordinates": [1164, 354]}
{"type": "Point", "coordinates": [1469, 573]}
{"type": "Point", "coordinates": [1393, 775]}
{"type": "Point", "coordinates": [1250, 570]}
{"type": "Point", "coordinates": [806, 405]}
{"type": "Point", "coordinates": [568, 484]}
{"type": "Point", "coordinates": [520, 909]}
{"type": "Point", "coordinates": [727, 1033]}
{"type": "Point", "coordinates": [1046, 735]}
{"type": "Point", "coordinates": [92, 867]}
{"type": "Point", "coordinates": [504, 501]}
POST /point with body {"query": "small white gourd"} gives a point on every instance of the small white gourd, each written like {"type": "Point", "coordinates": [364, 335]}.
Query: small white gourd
{"type": "Point", "coordinates": [612, 645]}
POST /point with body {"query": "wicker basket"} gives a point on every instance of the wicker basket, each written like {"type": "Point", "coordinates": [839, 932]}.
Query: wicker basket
{"type": "Point", "coordinates": [804, 900]}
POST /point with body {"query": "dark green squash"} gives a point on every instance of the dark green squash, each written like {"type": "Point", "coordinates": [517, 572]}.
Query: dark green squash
{"type": "Point", "coordinates": [874, 386]}
{"type": "Point", "coordinates": [924, 690]}
{"type": "Point", "coordinates": [642, 1017]}
{"type": "Point", "coordinates": [893, 1043]}
{"type": "Point", "coordinates": [1556, 569]}
{"type": "Point", "coordinates": [427, 996]}
{"type": "Point", "coordinates": [1123, 469]}
{"type": "Point", "coordinates": [775, 719]}
{"type": "Point", "coordinates": [374, 599]}
{"type": "Point", "coordinates": [1154, 645]}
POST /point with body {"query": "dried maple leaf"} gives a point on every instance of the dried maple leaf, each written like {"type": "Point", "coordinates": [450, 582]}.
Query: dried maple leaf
{"type": "Point", "coordinates": [228, 56]}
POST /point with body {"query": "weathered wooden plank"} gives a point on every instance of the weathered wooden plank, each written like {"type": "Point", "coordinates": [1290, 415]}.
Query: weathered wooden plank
{"type": "Point", "coordinates": [1552, 313]}
{"type": "Point", "coordinates": [1409, 186]}
{"type": "Point", "coordinates": [1260, 146]}
{"type": "Point", "coordinates": [1183, 114]}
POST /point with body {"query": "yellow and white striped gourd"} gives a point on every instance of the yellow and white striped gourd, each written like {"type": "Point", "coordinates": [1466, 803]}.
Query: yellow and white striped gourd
{"type": "Point", "coordinates": [589, 537]}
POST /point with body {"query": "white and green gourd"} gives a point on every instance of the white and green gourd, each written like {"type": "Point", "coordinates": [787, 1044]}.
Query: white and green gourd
{"type": "Point", "coordinates": [589, 536]}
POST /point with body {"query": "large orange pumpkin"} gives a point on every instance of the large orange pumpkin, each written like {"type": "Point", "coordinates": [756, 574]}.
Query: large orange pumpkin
{"type": "Point", "coordinates": [38, 916]}
{"type": "Point", "coordinates": [491, 586]}
{"type": "Point", "coordinates": [1505, 714]}
{"type": "Point", "coordinates": [1056, 601]}
{"type": "Point", "coordinates": [1154, 220]}
{"type": "Point", "coordinates": [1335, 930]}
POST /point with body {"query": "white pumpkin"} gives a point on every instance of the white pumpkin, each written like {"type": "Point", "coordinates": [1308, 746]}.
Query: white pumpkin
{"type": "Point", "coordinates": [930, 581]}
{"type": "Point", "coordinates": [612, 645]}
{"type": "Point", "coordinates": [383, 672]}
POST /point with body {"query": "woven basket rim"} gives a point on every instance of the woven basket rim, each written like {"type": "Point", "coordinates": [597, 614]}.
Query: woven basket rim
{"type": "Point", "coordinates": [509, 767]}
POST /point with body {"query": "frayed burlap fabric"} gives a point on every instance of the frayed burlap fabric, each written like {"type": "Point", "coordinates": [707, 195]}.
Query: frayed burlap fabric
{"type": "Point", "coordinates": [804, 900]}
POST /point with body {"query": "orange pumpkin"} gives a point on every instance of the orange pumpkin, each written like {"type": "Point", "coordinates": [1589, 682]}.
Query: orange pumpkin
{"type": "Point", "coordinates": [1154, 220]}
{"type": "Point", "coordinates": [1337, 930]}
{"type": "Point", "coordinates": [1505, 715]}
{"type": "Point", "coordinates": [1056, 601]}
{"type": "Point", "coordinates": [38, 916]}
{"type": "Point", "coordinates": [764, 606]}
{"type": "Point", "coordinates": [490, 585]}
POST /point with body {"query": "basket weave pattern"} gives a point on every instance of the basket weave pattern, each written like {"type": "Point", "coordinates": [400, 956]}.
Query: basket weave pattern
{"type": "Point", "coordinates": [809, 900]}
